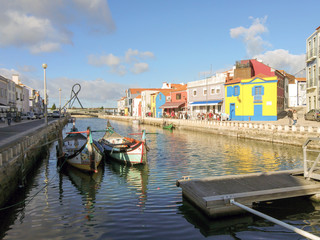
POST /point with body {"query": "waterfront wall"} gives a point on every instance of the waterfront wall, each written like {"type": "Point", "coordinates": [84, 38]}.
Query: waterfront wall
{"type": "Point", "coordinates": [263, 131]}
{"type": "Point", "coordinates": [19, 157]}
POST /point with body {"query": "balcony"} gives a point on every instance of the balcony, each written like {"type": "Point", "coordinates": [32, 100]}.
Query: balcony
{"type": "Point", "coordinates": [311, 55]}
{"type": "Point", "coordinates": [257, 98]}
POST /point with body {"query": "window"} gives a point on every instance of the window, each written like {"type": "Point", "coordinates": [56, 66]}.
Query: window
{"type": "Point", "coordinates": [204, 92]}
{"type": "Point", "coordinates": [194, 92]}
{"type": "Point", "coordinates": [236, 91]}
{"type": "Point", "coordinates": [178, 96]}
{"type": "Point", "coordinates": [218, 90]}
{"type": "Point", "coordinates": [257, 93]}
{"type": "Point", "coordinates": [257, 90]}
{"type": "Point", "coordinates": [159, 96]}
{"type": "Point", "coordinates": [213, 91]}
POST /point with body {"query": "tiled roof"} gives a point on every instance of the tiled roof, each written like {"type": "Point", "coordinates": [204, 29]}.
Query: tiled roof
{"type": "Point", "coordinates": [233, 81]}
{"type": "Point", "coordinates": [139, 90]}
{"type": "Point", "coordinates": [301, 79]}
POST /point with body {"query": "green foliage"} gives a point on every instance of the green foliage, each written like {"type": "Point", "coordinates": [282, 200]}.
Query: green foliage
{"type": "Point", "coordinates": [101, 108]}
{"type": "Point", "coordinates": [53, 107]}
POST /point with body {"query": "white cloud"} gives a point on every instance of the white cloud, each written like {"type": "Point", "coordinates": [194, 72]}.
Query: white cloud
{"type": "Point", "coordinates": [140, 68]}
{"type": "Point", "coordinates": [251, 36]}
{"type": "Point", "coordinates": [282, 60]}
{"type": "Point", "coordinates": [44, 25]}
{"type": "Point", "coordinates": [119, 65]}
{"type": "Point", "coordinates": [95, 93]}
{"type": "Point", "coordinates": [109, 60]}
{"type": "Point", "coordinates": [135, 55]}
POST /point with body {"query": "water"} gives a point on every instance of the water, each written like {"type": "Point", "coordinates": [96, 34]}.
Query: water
{"type": "Point", "coordinates": [143, 202]}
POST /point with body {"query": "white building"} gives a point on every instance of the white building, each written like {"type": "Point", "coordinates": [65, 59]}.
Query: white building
{"type": "Point", "coordinates": [121, 105]}
{"type": "Point", "coordinates": [312, 70]}
{"type": "Point", "coordinates": [297, 92]}
{"type": "Point", "coordinates": [146, 101]}
{"type": "Point", "coordinates": [136, 103]}
{"type": "Point", "coordinates": [22, 95]}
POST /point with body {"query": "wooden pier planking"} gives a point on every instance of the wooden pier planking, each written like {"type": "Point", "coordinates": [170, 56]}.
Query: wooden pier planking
{"type": "Point", "coordinates": [213, 195]}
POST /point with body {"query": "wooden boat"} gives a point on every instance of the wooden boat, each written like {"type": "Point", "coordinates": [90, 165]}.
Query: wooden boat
{"type": "Point", "coordinates": [169, 126]}
{"type": "Point", "coordinates": [82, 152]}
{"type": "Point", "coordinates": [126, 150]}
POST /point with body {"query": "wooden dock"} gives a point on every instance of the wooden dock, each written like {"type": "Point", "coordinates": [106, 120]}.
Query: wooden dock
{"type": "Point", "coordinates": [213, 195]}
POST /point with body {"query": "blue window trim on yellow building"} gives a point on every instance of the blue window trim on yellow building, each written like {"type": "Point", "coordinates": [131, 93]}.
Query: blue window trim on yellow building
{"type": "Point", "coordinates": [233, 91]}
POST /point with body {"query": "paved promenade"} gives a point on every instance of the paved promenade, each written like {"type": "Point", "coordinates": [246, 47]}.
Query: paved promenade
{"type": "Point", "coordinates": [8, 134]}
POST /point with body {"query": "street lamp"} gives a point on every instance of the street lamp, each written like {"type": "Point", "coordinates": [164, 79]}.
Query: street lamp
{"type": "Point", "coordinates": [59, 102]}
{"type": "Point", "coordinates": [45, 95]}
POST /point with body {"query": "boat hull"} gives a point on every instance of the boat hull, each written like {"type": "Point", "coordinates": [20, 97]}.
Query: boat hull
{"type": "Point", "coordinates": [83, 162]}
{"type": "Point", "coordinates": [136, 154]}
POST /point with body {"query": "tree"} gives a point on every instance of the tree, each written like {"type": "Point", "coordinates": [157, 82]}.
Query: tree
{"type": "Point", "coordinates": [53, 107]}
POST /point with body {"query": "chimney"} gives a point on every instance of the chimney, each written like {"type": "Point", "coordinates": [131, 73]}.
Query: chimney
{"type": "Point", "coordinates": [228, 77]}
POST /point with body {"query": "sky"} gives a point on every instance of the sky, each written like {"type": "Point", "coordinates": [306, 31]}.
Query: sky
{"type": "Point", "coordinates": [109, 46]}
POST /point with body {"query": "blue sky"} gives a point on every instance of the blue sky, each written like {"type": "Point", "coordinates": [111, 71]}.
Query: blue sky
{"type": "Point", "coordinates": [108, 46]}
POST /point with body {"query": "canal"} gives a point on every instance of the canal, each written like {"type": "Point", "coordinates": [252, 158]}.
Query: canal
{"type": "Point", "coordinates": [143, 202]}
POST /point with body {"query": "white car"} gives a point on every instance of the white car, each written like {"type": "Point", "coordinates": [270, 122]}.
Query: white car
{"type": "Point", "coordinates": [55, 114]}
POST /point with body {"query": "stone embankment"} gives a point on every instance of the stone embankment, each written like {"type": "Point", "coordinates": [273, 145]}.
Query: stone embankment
{"type": "Point", "coordinates": [19, 157]}
{"type": "Point", "coordinates": [275, 132]}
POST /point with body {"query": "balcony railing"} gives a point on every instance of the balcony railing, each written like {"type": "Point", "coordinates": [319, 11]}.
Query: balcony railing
{"type": "Point", "coordinates": [311, 54]}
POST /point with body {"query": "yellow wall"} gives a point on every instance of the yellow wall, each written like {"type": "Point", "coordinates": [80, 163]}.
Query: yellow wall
{"type": "Point", "coordinates": [153, 105]}
{"type": "Point", "coordinates": [244, 103]}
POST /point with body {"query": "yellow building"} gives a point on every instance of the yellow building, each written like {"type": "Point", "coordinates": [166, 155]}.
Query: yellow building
{"type": "Point", "coordinates": [254, 99]}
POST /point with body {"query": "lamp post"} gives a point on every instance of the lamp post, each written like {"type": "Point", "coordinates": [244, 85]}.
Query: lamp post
{"type": "Point", "coordinates": [45, 95]}
{"type": "Point", "coordinates": [59, 102]}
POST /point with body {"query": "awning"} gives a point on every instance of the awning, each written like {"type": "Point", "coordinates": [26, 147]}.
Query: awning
{"type": "Point", "coordinates": [206, 103]}
{"type": "Point", "coordinates": [172, 105]}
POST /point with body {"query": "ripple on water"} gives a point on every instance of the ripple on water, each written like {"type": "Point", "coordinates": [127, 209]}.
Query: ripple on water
{"type": "Point", "coordinates": [143, 202]}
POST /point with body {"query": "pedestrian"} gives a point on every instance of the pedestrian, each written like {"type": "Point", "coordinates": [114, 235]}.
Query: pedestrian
{"type": "Point", "coordinates": [290, 117]}
{"type": "Point", "coordinates": [9, 117]}
{"type": "Point", "coordinates": [295, 117]}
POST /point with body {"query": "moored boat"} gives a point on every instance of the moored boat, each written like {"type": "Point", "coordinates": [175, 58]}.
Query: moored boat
{"type": "Point", "coordinates": [82, 152]}
{"type": "Point", "coordinates": [168, 126]}
{"type": "Point", "coordinates": [125, 150]}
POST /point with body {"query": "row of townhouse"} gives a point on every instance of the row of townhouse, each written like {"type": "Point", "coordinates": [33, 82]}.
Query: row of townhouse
{"type": "Point", "coordinates": [313, 70]}
{"type": "Point", "coordinates": [251, 90]}
{"type": "Point", "coordinates": [17, 97]}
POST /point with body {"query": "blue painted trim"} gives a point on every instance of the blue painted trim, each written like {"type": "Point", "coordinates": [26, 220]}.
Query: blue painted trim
{"type": "Point", "coordinates": [206, 102]}
{"type": "Point", "coordinates": [273, 81]}
{"type": "Point", "coordinates": [253, 118]}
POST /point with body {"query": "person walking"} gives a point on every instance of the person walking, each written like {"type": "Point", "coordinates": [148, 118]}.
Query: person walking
{"type": "Point", "coordinates": [9, 117]}
{"type": "Point", "coordinates": [290, 117]}
{"type": "Point", "coordinates": [295, 117]}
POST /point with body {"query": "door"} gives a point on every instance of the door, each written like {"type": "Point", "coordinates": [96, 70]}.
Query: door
{"type": "Point", "coordinates": [232, 111]}
{"type": "Point", "coordinates": [257, 113]}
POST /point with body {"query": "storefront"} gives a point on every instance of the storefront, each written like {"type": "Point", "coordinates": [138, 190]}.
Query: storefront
{"type": "Point", "coordinates": [172, 109]}
{"type": "Point", "coordinates": [204, 107]}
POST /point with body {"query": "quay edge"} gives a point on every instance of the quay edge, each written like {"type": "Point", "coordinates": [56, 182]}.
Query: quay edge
{"type": "Point", "coordinates": [261, 131]}
{"type": "Point", "coordinates": [19, 157]}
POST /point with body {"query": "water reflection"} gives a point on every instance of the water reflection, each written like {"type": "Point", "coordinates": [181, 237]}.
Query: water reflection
{"type": "Point", "coordinates": [88, 186]}
{"type": "Point", "coordinates": [295, 211]}
{"type": "Point", "coordinates": [136, 177]}
{"type": "Point", "coordinates": [143, 202]}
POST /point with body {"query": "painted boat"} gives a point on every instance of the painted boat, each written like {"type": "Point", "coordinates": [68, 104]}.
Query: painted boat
{"type": "Point", "coordinates": [169, 126]}
{"type": "Point", "coordinates": [125, 150]}
{"type": "Point", "coordinates": [82, 152]}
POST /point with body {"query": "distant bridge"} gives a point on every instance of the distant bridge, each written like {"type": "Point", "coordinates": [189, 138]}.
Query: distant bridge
{"type": "Point", "coordinates": [93, 112]}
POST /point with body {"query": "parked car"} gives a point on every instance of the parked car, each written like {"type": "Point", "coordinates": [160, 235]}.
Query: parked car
{"type": "Point", "coordinates": [313, 114]}
{"type": "Point", "coordinates": [38, 115]}
{"type": "Point", "coordinates": [55, 114]}
{"type": "Point", "coordinates": [29, 115]}
{"type": "Point", "coordinates": [24, 116]}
